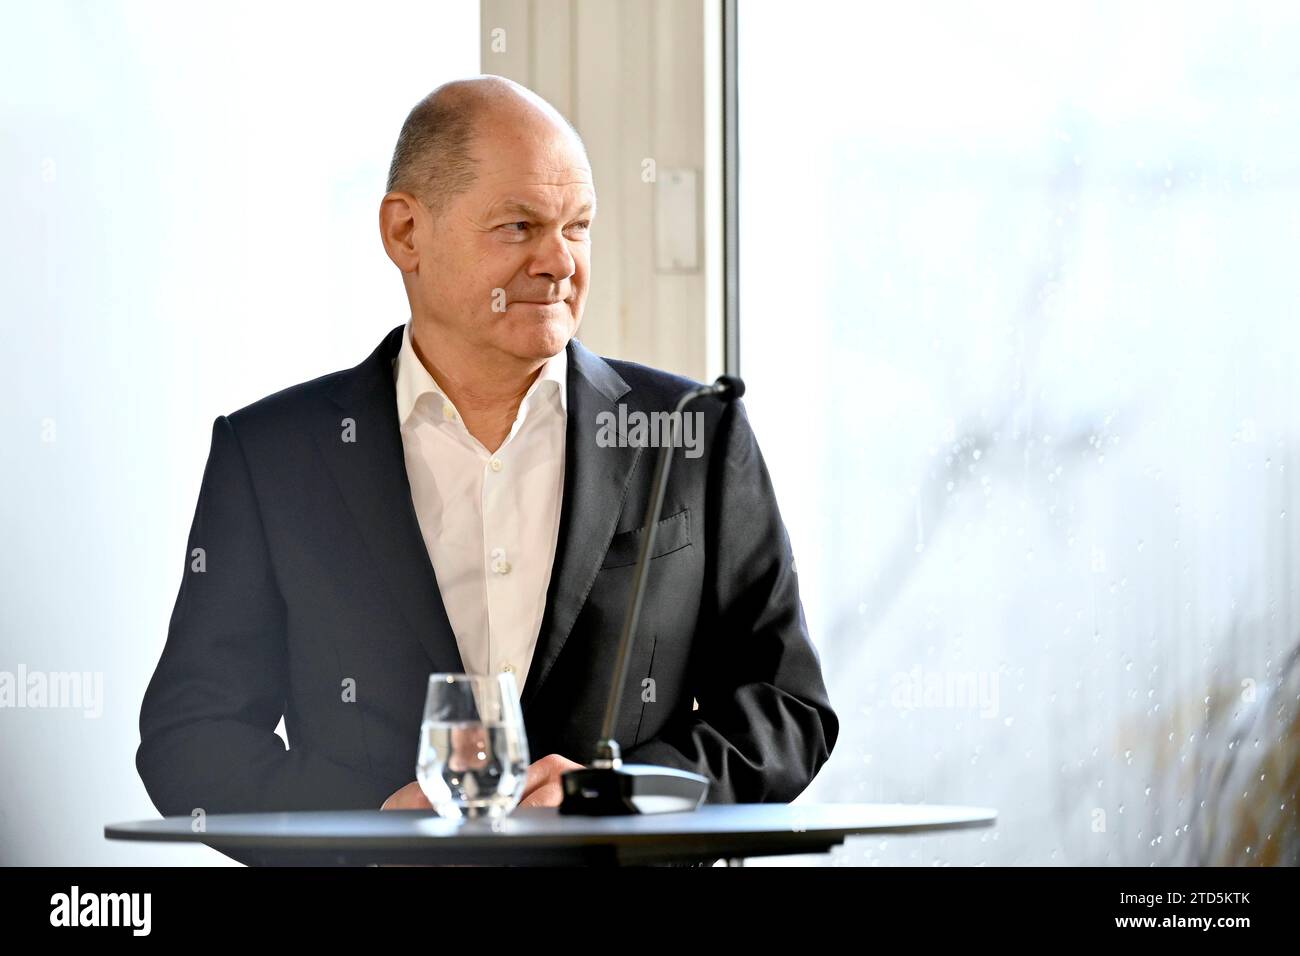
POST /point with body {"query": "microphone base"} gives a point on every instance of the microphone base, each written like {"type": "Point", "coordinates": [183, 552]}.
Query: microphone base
{"type": "Point", "coordinates": [631, 789]}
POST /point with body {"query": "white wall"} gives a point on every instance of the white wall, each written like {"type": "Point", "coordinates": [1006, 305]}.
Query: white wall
{"type": "Point", "coordinates": [189, 223]}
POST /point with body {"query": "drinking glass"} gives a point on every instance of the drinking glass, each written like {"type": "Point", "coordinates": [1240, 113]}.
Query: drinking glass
{"type": "Point", "coordinates": [473, 757]}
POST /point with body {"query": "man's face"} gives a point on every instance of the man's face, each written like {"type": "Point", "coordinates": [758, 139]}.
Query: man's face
{"type": "Point", "coordinates": [505, 266]}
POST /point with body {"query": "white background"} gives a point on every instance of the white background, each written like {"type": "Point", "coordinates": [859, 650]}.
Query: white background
{"type": "Point", "coordinates": [1019, 306]}
{"type": "Point", "coordinates": [190, 222]}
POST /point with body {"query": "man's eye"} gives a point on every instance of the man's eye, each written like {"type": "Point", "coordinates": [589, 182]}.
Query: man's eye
{"type": "Point", "coordinates": [510, 226]}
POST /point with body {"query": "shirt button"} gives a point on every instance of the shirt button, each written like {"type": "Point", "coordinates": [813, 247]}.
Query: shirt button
{"type": "Point", "coordinates": [448, 411]}
{"type": "Point", "coordinates": [501, 566]}
{"type": "Point", "coordinates": [495, 464]}
{"type": "Point", "coordinates": [508, 668]}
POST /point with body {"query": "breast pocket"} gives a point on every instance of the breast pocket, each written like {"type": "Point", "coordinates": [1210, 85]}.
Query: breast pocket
{"type": "Point", "coordinates": [673, 534]}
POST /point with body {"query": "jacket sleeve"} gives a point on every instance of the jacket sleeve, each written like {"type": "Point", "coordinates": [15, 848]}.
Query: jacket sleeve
{"type": "Point", "coordinates": [207, 722]}
{"type": "Point", "coordinates": [765, 725]}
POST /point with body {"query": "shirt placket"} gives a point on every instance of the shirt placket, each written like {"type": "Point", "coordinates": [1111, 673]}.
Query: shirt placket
{"type": "Point", "coordinates": [499, 546]}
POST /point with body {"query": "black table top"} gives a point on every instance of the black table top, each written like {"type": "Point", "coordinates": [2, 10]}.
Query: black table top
{"type": "Point", "coordinates": [541, 835]}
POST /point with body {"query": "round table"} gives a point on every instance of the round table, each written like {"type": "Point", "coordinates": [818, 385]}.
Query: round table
{"type": "Point", "coordinates": [542, 836]}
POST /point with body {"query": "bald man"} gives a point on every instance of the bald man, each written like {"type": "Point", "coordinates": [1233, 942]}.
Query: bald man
{"type": "Point", "coordinates": [448, 505]}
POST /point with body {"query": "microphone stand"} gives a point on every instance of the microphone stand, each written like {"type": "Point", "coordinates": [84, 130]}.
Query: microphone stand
{"type": "Point", "coordinates": [609, 787]}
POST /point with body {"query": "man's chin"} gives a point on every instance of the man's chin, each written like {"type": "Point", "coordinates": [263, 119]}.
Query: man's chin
{"type": "Point", "coordinates": [544, 339]}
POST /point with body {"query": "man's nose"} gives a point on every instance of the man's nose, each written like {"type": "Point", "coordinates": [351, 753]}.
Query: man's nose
{"type": "Point", "coordinates": [553, 259]}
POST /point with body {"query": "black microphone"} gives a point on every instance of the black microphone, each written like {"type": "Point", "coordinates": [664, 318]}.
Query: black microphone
{"type": "Point", "coordinates": [729, 387]}
{"type": "Point", "coordinates": [609, 787]}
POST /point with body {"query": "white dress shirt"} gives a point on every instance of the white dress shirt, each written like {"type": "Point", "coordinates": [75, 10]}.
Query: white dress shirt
{"type": "Point", "coordinates": [490, 521]}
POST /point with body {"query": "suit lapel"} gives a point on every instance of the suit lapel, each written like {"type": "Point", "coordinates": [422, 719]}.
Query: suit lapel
{"type": "Point", "coordinates": [596, 481]}
{"type": "Point", "coordinates": [371, 475]}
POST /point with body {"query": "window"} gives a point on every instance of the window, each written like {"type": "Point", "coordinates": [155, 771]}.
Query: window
{"type": "Point", "coordinates": [1018, 318]}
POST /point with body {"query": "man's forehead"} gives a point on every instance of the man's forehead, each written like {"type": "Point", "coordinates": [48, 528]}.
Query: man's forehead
{"type": "Point", "coordinates": [538, 193]}
{"type": "Point", "coordinates": [505, 172]}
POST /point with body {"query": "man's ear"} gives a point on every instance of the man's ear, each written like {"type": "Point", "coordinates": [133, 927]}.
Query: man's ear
{"type": "Point", "coordinates": [399, 213]}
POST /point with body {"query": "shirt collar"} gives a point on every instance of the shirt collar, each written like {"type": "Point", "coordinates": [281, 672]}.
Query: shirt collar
{"type": "Point", "coordinates": [414, 380]}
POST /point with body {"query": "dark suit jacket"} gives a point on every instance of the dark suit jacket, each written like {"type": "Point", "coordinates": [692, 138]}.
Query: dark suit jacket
{"type": "Point", "coordinates": [315, 571]}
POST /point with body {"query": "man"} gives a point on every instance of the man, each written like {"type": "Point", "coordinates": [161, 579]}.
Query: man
{"type": "Point", "coordinates": [445, 506]}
